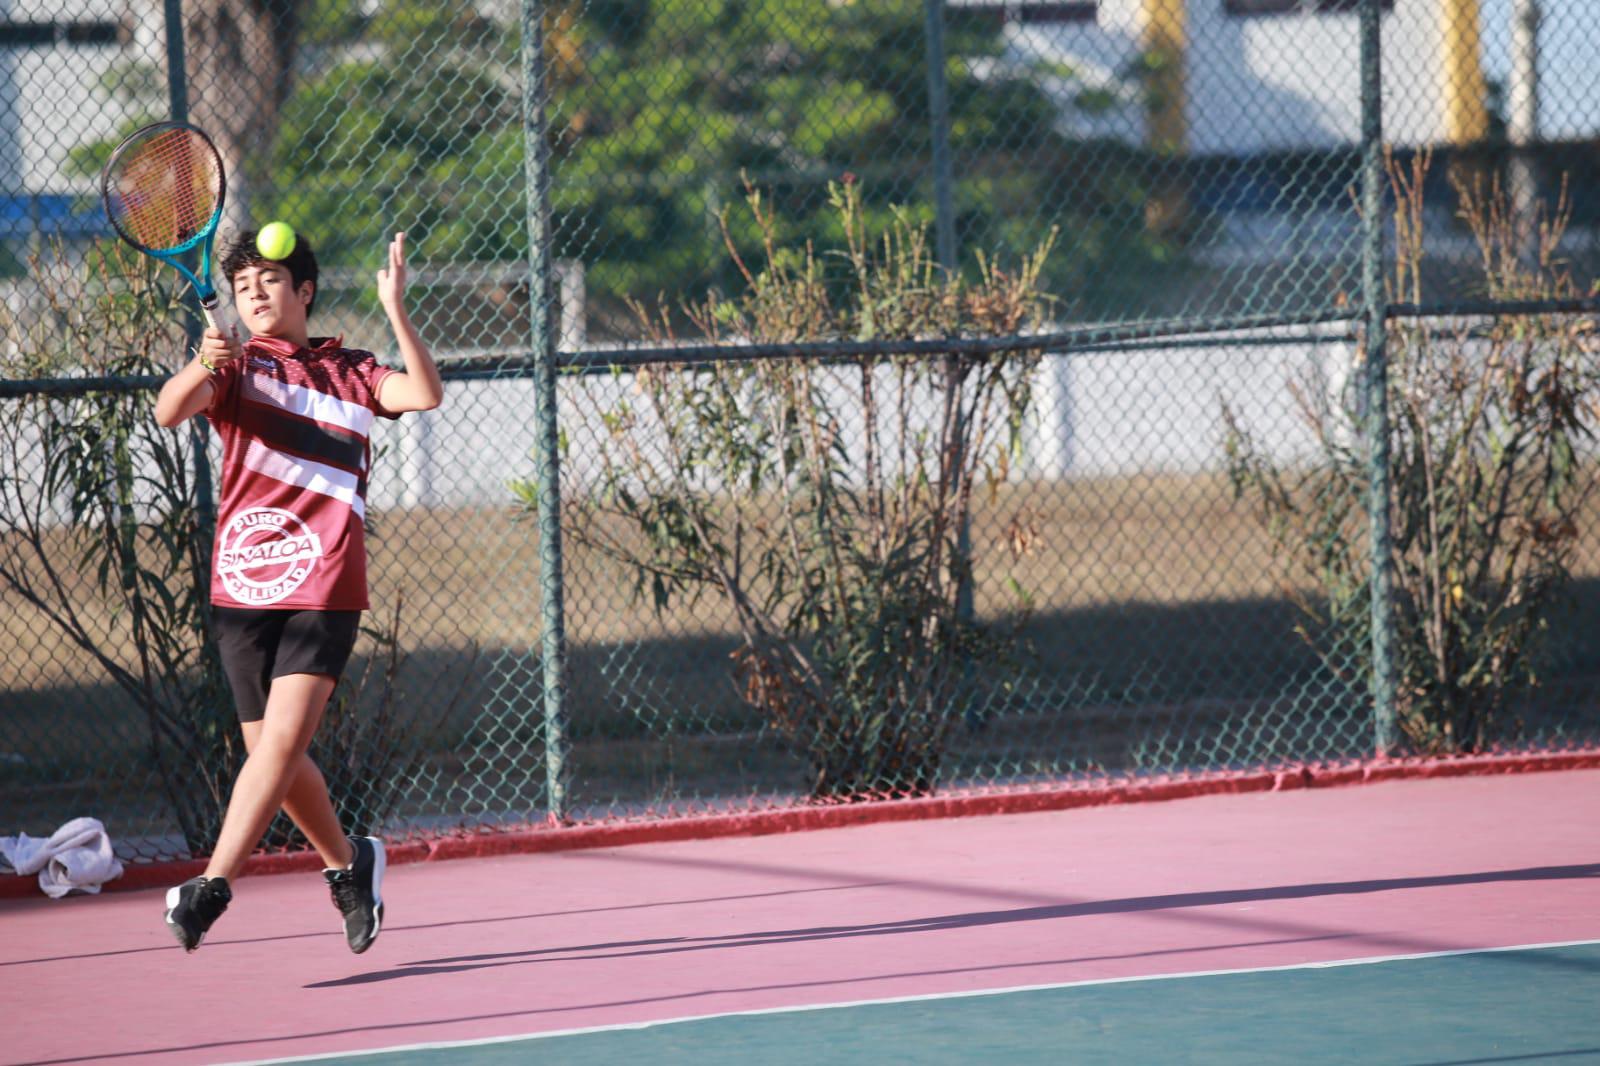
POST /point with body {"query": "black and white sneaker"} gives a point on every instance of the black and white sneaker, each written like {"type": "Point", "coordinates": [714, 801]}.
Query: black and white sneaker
{"type": "Point", "coordinates": [357, 892]}
{"type": "Point", "coordinates": [194, 905]}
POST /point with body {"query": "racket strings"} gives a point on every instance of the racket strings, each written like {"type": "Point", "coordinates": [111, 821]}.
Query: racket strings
{"type": "Point", "coordinates": [165, 188]}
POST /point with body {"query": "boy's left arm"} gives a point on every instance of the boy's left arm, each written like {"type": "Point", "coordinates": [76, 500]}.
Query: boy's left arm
{"type": "Point", "coordinates": [418, 387]}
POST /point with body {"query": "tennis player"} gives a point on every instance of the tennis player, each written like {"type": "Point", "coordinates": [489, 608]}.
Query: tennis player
{"type": "Point", "coordinates": [289, 570]}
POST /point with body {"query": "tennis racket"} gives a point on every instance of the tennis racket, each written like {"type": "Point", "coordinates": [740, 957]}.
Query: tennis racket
{"type": "Point", "coordinates": [163, 190]}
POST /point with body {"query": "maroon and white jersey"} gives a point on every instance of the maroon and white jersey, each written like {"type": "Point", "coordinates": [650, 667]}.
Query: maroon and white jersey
{"type": "Point", "coordinates": [294, 424]}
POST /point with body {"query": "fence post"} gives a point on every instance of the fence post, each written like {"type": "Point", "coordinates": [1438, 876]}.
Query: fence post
{"type": "Point", "coordinates": [944, 232]}
{"type": "Point", "coordinates": [939, 121]}
{"type": "Point", "coordinates": [542, 327]}
{"type": "Point", "coordinates": [178, 108]}
{"type": "Point", "coordinates": [1375, 378]}
{"type": "Point", "coordinates": [177, 82]}
{"type": "Point", "coordinates": [1522, 123]}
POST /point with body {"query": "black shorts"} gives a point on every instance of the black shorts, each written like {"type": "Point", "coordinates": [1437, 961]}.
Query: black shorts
{"type": "Point", "coordinates": [259, 645]}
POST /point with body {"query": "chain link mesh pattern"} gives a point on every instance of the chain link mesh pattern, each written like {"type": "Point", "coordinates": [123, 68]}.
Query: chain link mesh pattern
{"type": "Point", "coordinates": [1200, 163]}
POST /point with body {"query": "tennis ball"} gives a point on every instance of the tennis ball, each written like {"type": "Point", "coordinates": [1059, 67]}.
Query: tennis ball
{"type": "Point", "coordinates": [276, 240]}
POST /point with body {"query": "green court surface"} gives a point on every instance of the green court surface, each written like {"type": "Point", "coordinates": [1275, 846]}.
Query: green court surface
{"type": "Point", "coordinates": [1517, 1005]}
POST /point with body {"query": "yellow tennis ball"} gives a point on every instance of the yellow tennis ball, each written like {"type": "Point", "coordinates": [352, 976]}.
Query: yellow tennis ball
{"type": "Point", "coordinates": [275, 241]}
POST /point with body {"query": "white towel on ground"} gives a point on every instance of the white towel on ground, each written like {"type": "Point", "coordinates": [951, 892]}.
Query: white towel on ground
{"type": "Point", "coordinates": [75, 858]}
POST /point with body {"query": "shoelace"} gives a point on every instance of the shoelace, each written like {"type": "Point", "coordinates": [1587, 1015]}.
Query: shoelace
{"type": "Point", "coordinates": [342, 885]}
{"type": "Point", "coordinates": [211, 900]}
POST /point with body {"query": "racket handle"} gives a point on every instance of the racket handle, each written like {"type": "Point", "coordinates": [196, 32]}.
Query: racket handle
{"type": "Point", "coordinates": [220, 316]}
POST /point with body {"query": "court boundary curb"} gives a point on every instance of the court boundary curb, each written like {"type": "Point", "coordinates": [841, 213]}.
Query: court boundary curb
{"type": "Point", "coordinates": [837, 816]}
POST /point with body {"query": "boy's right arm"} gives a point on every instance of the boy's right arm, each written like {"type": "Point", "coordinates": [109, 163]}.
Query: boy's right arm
{"type": "Point", "coordinates": [189, 391]}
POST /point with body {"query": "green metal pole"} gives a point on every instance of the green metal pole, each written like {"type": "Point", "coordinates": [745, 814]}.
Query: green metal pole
{"type": "Point", "coordinates": [543, 324]}
{"type": "Point", "coordinates": [939, 121]}
{"type": "Point", "coordinates": [178, 107]}
{"type": "Point", "coordinates": [1376, 379]}
{"type": "Point", "coordinates": [177, 82]}
{"type": "Point", "coordinates": [944, 230]}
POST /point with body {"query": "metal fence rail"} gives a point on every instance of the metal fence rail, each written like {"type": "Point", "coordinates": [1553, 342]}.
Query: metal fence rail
{"type": "Point", "coordinates": [1195, 538]}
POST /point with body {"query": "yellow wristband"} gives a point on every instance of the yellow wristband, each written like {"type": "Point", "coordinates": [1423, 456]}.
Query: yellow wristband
{"type": "Point", "coordinates": [211, 367]}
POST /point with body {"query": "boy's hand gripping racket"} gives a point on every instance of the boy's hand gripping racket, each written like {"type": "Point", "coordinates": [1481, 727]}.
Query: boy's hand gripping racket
{"type": "Point", "coordinates": [163, 190]}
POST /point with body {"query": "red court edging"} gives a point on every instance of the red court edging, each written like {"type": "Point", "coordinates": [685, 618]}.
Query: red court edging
{"type": "Point", "coordinates": [834, 816]}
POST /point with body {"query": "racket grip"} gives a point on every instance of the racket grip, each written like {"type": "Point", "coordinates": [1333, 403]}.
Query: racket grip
{"type": "Point", "coordinates": [220, 316]}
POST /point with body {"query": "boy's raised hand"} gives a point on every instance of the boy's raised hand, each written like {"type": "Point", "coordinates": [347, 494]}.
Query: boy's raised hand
{"type": "Point", "coordinates": [219, 348]}
{"type": "Point", "coordinates": [417, 387]}
{"type": "Point", "coordinates": [392, 278]}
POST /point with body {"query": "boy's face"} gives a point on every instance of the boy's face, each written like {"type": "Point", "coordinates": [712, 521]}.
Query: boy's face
{"type": "Point", "coordinates": [269, 304]}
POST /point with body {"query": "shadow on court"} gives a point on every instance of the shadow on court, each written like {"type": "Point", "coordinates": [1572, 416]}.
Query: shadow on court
{"type": "Point", "coordinates": [1309, 925]}
{"type": "Point", "coordinates": [165, 948]}
{"type": "Point", "coordinates": [974, 919]}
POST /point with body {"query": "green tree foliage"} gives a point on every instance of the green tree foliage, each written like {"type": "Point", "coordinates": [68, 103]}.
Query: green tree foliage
{"type": "Point", "coordinates": [658, 112]}
{"type": "Point", "coordinates": [790, 93]}
{"type": "Point", "coordinates": [404, 119]}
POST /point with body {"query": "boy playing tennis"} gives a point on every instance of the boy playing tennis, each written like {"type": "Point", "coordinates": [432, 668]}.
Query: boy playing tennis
{"type": "Point", "coordinates": [289, 573]}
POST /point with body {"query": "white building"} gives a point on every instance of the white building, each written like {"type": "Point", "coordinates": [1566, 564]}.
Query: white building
{"type": "Point", "coordinates": [1257, 76]}
{"type": "Point", "coordinates": [56, 61]}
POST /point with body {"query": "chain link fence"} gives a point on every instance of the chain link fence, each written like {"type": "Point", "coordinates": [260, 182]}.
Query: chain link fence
{"type": "Point", "coordinates": [735, 498]}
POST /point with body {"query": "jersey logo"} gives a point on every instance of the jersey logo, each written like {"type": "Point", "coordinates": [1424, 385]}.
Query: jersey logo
{"type": "Point", "coordinates": [264, 554]}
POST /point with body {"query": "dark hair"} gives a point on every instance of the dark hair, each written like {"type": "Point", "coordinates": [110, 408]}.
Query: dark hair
{"type": "Point", "coordinates": [301, 263]}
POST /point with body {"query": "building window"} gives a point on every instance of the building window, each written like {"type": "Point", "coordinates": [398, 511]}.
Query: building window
{"type": "Point", "coordinates": [47, 34]}
{"type": "Point", "coordinates": [1298, 7]}
{"type": "Point", "coordinates": [1023, 12]}
{"type": "Point", "coordinates": [1068, 12]}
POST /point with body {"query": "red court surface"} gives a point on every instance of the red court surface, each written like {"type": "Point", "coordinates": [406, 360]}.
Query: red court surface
{"type": "Point", "coordinates": [485, 948]}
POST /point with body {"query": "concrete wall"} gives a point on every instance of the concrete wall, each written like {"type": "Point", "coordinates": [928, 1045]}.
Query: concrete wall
{"type": "Point", "coordinates": [1104, 414]}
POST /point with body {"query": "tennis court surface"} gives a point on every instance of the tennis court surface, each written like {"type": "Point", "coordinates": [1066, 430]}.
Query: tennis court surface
{"type": "Point", "coordinates": [1432, 921]}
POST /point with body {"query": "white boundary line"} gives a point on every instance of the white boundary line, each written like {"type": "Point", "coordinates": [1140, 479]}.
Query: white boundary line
{"type": "Point", "coordinates": [626, 1026]}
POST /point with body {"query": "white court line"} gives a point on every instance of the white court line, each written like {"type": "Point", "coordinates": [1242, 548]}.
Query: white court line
{"type": "Point", "coordinates": [627, 1026]}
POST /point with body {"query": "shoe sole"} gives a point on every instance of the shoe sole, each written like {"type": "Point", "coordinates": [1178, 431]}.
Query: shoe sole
{"type": "Point", "coordinates": [379, 861]}
{"type": "Point", "coordinates": [174, 897]}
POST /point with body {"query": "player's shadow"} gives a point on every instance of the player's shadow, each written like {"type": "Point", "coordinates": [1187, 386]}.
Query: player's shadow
{"type": "Point", "coordinates": [459, 922]}
{"type": "Point", "coordinates": [973, 919]}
